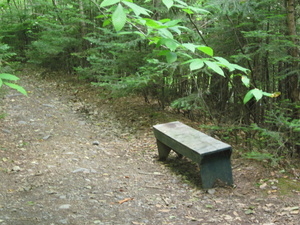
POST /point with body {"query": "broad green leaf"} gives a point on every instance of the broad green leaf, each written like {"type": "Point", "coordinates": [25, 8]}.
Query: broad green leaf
{"type": "Point", "coordinates": [119, 18]}
{"type": "Point", "coordinates": [214, 66]}
{"type": "Point", "coordinates": [248, 97]}
{"type": "Point", "coordinates": [272, 95]}
{"type": "Point", "coordinates": [130, 32]}
{"type": "Point", "coordinates": [7, 76]}
{"type": "Point", "coordinates": [198, 10]}
{"type": "Point", "coordinates": [171, 23]}
{"type": "Point", "coordinates": [188, 61]}
{"type": "Point", "coordinates": [176, 29]}
{"type": "Point", "coordinates": [207, 50]}
{"type": "Point", "coordinates": [168, 3]}
{"type": "Point", "coordinates": [152, 23]}
{"type": "Point", "coordinates": [164, 20]}
{"type": "Point", "coordinates": [246, 81]}
{"type": "Point", "coordinates": [106, 22]}
{"type": "Point", "coordinates": [16, 87]}
{"type": "Point", "coordinates": [258, 94]}
{"type": "Point", "coordinates": [108, 3]}
{"type": "Point", "coordinates": [170, 43]}
{"type": "Point", "coordinates": [190, 46]}
{"type": "Point", "coordinates": [238, 67]}
{"type": "Point", "coordinates": [183, 54]}
{"type": "Point", "coordinates": [181, 2]}
{"type": "Point", "coordinates": [225, 63]}
{"type": "Point", "coordinates": [171, 57]}
{"type": "Point", "coordinates": [188, 11]}
{"type": "Point", "coordinates": [163, 52]}
{"type": "Point", "coordinates": [137, 9]}
{"type": "Point", "coordinates": [196, 64]}
{"type": "Point", "coordinates": [1, 82]}
{"type": "Point", "coordinates": [166, 33]}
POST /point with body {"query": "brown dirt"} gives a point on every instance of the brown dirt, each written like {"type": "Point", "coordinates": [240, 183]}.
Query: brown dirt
{"type": "Point", "coordinates": [68, 156]}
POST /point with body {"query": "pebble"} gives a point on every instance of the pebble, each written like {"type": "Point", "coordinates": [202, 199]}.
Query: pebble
{"type": "Point", "coordinates": [82, 123]}
{"type": "Point", "coordinates": [6, 131]}
{"type": "Point", "coordinates": [22, 122]}
{"type": "Point", "coordinates": [211, 191]}
{"type": "Point", "coordinates": [16, 169]}
{"type": "Point", "coordinates": [84, 170]}
{"type": "Point", "coordinates": [96, 142]}
{"type": "Point", "coordinates": [64, 221]}
{"type": "Point", "coordinates": [46, 137]}
{"type": "Point", "coordinates": [65, 206]}
{"type": "Point", "coordinates": [47, 105]}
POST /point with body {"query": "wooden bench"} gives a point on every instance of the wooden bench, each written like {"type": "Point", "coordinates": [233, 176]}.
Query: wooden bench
{"type": "Point", "coordinates": [212, 156]}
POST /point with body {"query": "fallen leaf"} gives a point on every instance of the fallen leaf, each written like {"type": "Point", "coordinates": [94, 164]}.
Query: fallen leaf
{"type": "Point", "coordinates": [125, 200]}
{"type": "Point", "coordinates": [295, 212]}
{"type": "Point", "coordinates": [191, 218]}
{"type": "Point", "coordinates": [291, 208]}
{"type": "Point", "coordinates": [263, 186]}
{"type": "Point", "coordinates": [249, 211]}
{"type": "Point", "coordinates": [164, 210]}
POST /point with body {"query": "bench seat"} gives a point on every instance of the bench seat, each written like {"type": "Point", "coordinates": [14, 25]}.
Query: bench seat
{"type": "Point", "coordinates": [212, 156]}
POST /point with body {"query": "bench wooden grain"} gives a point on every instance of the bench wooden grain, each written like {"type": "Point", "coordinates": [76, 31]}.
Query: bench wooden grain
{"type": "Point", "coordinates": [212, 156]}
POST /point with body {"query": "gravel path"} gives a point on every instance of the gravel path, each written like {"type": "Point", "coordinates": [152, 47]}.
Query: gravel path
{"type": "Point", "coordinates": [59, 167]}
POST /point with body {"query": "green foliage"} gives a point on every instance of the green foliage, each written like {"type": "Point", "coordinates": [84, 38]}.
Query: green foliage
{"type": "Point", "coordinates": [5, 54]}
{"type": "Point", "coordinates": [161, 33]}
{"type": "Point", "coordinates": [263, 156]}
{"type": "Point", "coordinates": [6, 80]}
{"type": "Point", "coordinates": [216, 58]}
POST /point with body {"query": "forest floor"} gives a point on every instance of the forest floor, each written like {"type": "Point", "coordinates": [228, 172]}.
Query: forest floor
{"type": "Point", "coordinates": [69, 156]}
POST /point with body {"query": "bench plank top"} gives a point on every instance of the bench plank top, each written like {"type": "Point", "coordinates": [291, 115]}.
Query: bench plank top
{"type": "Point", "coordinates": [191, 138]}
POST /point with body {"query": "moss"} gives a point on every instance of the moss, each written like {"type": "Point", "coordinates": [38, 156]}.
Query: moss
{"type": "Point", "coordinates": [287, 186]}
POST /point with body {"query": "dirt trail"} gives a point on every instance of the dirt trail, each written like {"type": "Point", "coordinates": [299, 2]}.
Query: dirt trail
{"type": "Point", "coordinates": [59, 167]}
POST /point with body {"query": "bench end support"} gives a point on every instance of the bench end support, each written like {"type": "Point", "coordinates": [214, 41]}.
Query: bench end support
{"type": "Point", "coordinates": [215, 169]}
{"type": "Point", "coordinates": [163, 151]}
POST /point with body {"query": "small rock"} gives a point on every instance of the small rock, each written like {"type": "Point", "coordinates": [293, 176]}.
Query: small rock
{"type": "Point", "coordinates": [263, 186]}
{"type": "Point", "coordinates": [46, 137]}
{"type": "Point", "coordinates": [84, 170]}
{"type": "Point", "coordinates": [80, 170]}
{"type": "Point", "coordinates": [96, 142]}
{"type": "Point", "coordinates": [16, 169]}
{"type": "Point", "coordinates": [82, 123]}
{"type": "Point", "coordinates": [22, 122]}
{"type": "Point", "coordinates": [14, 95]}
{"type": "Point", "coordinates": [48, 105]}
{"type": "Point", "coordinates": [65, 206]}
{"type": "Point", "coordinates": [64, 221]}
{"type": "Point", "coordinates": [93, 171]}
{"type": "Point", "coordinates": [6, 131]}
{"type": "Point", "coordinates": [211, 191]}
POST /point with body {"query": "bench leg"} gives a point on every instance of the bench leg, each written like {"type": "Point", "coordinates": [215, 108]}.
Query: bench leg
{"type": "Point", "coordinates": [216, 168]}
{"type": "Point", "coordinates": [163, 150]}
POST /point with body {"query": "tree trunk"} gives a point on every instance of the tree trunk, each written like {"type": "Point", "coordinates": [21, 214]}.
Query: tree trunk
{"type": "Point", "coordinates": [293, 80]}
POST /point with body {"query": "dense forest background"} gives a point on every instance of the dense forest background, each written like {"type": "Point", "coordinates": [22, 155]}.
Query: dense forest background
{"type": "Point", "coordinates": [233, 62]}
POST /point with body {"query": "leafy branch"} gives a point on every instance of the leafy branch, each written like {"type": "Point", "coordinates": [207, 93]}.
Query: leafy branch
{"type": "Point", "coordinates": [163, 34]}
{"type": "Point", "coordinates": [6, 79]}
